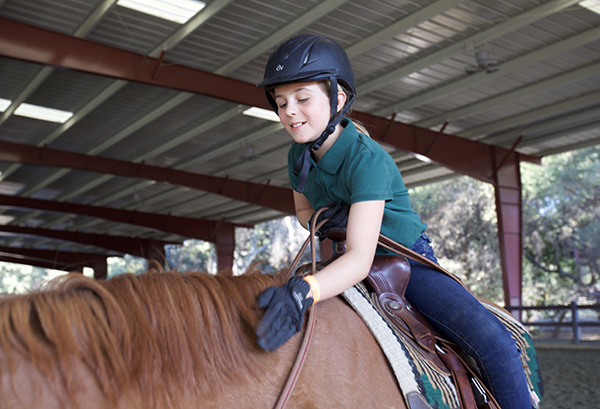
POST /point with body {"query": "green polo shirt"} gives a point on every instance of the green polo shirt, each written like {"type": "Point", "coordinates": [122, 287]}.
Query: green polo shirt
{"type": "Point", "coordinates": [356, 169]}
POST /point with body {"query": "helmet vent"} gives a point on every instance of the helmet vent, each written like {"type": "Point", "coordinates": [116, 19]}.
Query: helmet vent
{"type": "Point", "coordinates": [306, 58]}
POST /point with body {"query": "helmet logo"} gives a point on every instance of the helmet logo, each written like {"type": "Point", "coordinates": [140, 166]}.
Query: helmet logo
{"type": "Point", "coordinates": [279, 67]}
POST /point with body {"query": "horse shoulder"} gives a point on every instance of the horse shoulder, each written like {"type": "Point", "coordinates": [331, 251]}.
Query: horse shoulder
{"type": "Point", "coordinates": [345, 366]}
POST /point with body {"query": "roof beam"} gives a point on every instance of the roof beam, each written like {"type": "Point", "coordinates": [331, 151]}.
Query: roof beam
{"type": "Point", "coordinates": [30, 261]}
{"type": "Point", "coordinates": [272, 197]}
{"type": "Point", "coordinates": [55, 259]}
{"type": "Point", "coordinates": [495, 31]}
{"type": "Point", "coordinates": [126, 245]}
{"type": "Point", "coordinates": [33, 44]}
{"type": "Point", "coordinates": [202, 17]}
{"type": "Point", "coordinates": [188, 227]}
{"type": "Point", "coordinates": [461, 155]}
{"type": "Point", "coordinates": [486, 131]}
{"type": "Point", "coordinates": [455, 85]}
{"type": "Point", "coordinates": [400, 26]}
{"type": "Point", "coordinates": [515, 94]}
{"type": "Point", "coordinates": [322, 8]}
{"type": "Point", "coordinates": [38, 45]}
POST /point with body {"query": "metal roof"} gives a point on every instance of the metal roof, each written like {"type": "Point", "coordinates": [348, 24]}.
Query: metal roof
{"type": "Point", "coordinates": [539, 95]}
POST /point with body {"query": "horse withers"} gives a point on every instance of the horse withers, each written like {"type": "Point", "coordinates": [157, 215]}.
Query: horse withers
{"type": "Point", "coordinates": [173, 340]}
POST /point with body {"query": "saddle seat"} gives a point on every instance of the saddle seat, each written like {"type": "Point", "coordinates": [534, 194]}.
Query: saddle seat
{"type": "Point", "coordinates": [387, 279]}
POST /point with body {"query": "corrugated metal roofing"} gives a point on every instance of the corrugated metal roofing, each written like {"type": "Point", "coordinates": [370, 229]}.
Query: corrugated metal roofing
{"type": "Point", "coordinates": [409, 59]}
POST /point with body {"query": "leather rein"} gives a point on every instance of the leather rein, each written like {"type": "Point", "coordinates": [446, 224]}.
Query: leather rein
{"type": "Point", "coordinates": [383, 241]}
{"type": "Point", "coordinates": [296, 369]}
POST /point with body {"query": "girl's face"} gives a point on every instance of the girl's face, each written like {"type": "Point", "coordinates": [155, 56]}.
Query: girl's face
{"type": "Point", "coordinates": [304, 109]}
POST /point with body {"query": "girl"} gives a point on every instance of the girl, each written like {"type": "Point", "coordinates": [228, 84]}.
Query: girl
{"type": "Point", "coordinates": [310, 84]}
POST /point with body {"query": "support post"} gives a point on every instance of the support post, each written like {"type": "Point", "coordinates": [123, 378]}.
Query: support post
{"type": "Point", "coordinates": [100, 269]}
{"type": "Point", "coordinates": [225, 244]}
{"type": "Point", "coordinates": [154, 252]}
{"type": "Point", "coordinates": [575, 323]}
{"type": "Point", "coordinates": [507, 186]}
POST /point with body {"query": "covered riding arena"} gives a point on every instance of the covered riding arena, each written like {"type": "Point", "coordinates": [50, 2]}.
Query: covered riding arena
{"type": "Point", "coordinates": [122, 131]}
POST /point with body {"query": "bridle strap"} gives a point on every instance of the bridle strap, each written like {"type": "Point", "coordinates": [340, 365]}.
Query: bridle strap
{"type": "Point", "coordinates": [286, 392]}
{"type": "Point", "coordinates": [294, 374]}
{"type": "Point", "coordinates": [398, 248]}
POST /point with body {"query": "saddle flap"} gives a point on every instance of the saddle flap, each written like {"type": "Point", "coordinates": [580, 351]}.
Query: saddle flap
{"type": "Point", "coordinates": [389, 274]}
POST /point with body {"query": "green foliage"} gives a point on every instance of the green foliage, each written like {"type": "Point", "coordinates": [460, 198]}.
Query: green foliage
{"type": "Point", "coordinates": [272, 244]}
{"type": "Point", "coordinates": [192, 255]}
{"type": "Point", "coordinates": [562, 228]}
{"type": "Point", "coordinates": [20, 278]}
{"type": "Point", "coordinates": [561, 232]}
{"type": "Point", "coordinates": [460, 214]}
{"type": "Point", "coordinates": [125, 264]}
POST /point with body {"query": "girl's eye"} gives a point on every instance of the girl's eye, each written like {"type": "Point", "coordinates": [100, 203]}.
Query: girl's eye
{"type": "Point", "coordinates": [302, 99]}
{"type": "Point", "coordinates": [282, 106]}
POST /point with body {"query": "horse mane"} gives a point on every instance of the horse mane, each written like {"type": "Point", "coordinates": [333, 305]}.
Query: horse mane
{"type": "Point", "coordinates": [155, 334]}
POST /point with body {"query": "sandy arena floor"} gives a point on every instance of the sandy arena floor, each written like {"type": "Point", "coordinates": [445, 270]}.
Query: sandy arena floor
{"type": "Point", "coordinates": [571, 375]}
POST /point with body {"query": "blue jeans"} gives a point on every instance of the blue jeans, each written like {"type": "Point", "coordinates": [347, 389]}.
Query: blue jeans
{"type": "Point", "coordinates": [457, 314]}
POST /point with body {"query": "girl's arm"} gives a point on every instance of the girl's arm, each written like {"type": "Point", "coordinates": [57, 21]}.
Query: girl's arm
{"type": "Point", "coordinates": [303, 209]}
{"type": "Point", "coordinates": [364, 225]}
{"type": "Point", "coordinates": [284, 306]}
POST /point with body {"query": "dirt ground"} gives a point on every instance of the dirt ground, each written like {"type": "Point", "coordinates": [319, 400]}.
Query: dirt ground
{"type": "Point", "coordinates": [571, 375]}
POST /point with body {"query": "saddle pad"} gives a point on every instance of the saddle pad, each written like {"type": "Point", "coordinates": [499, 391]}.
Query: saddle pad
{"type": "Point", "coordinates": [525, 345]}
{"type": "Point", "coordinates": [414, 374]}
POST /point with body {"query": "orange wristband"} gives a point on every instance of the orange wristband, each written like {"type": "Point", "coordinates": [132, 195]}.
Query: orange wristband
{"type": "Point", "coordinates": [314, 287]}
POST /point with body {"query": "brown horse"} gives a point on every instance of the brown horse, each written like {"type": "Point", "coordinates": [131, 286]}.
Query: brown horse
{"type": "Point", "coordinates": [171, 340]}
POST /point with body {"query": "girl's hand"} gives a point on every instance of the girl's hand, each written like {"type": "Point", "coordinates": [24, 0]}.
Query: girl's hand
{"type": "Point", "coordinates": [284, 315]}
{"type": "Point", "coordinates": [337, 213]}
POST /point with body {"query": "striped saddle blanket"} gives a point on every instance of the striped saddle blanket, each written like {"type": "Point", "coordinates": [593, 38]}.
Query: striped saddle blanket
{"type": "Point", "coordinates": [423, 384]}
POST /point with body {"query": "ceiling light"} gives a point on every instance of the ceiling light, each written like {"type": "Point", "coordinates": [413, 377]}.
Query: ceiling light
{"type": "Point", "coordinates": [43, 113]}
{"type": "Point", "coordinates": [261, 113]}
{"type": "Point", "coordinates": [4, 104]}
{"type": "Point", "coordinates": [593, 5]}
{"type": "Point", "coordinates": [179, 11]}
{"type": "Point", "coordinates": [422, 158]}
{"type": "Point", "coordinates": [37, 112]}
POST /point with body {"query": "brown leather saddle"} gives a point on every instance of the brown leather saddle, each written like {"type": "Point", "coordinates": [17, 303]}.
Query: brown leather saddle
{"type": "Point", "coordinates": [387, 279]}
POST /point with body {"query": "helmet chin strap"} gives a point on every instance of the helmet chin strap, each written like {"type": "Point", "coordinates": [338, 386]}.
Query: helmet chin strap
{"type": "Point", "coordinates": [302, 166]}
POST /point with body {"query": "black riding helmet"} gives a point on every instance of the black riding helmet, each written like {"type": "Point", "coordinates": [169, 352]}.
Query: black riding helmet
{"type": "Point", "coordinates": [306, 58]}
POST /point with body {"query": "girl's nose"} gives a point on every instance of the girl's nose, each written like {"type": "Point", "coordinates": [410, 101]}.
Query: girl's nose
{"type": "Point", "coordinates": [290, 109]}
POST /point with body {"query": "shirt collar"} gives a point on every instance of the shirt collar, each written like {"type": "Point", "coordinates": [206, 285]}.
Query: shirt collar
{"type": "Point", "coordinates": [333, 158]}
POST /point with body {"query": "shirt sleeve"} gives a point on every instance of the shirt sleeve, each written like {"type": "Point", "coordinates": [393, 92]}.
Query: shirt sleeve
{"type": "Point", "coordinates": [372, 176]}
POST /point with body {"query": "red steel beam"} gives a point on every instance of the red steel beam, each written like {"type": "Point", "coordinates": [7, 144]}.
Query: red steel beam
{"type": "Point", "coordinates": [25, 42]}
{"type": "Point", "coordinates": [272, 197]}
{"type": "Point", "coordinates": [41, 46]}
{"type": "Point", "coordinates": [507, 186]}
{"type": "Point", "coordinates": [185, 226]}
{"type": "Point", "coordinates": [34, 44]}
{"type": "Point", "coordinates": [62, 259]}
{"type": "Point", "coordinates": [462, 155]}
{"type": "Point", "coordinates": [146, 248]}
{"type": "Point", "coordinates": [30, 261]}
{"type": "Point", "coordinates": [58, 260]}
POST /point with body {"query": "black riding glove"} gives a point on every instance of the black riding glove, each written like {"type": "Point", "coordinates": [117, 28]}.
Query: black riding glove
{"type": "Point", "coordinates": [338, 218]}
{"type": "Point", "coordinates": [284, 314]}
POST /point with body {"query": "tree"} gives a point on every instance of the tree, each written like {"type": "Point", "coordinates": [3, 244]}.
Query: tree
{"type": "Point", "coordinates": [461, 219]}
{"type": "Point", "coordinates": [21, 278]}
{"type": "Point", "coordinates": [562, 228]}
{"type": "Point", "coordinates": [273, 244]}
{"type": "Point", "coordinates": [192, 255]}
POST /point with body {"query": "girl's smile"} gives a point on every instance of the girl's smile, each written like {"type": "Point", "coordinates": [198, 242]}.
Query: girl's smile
{"type": "Point", "coordinates": [304, 109]}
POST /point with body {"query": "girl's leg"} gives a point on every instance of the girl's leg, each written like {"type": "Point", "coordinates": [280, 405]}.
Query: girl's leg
{"type": "Point", "coordinates": [459, 315]}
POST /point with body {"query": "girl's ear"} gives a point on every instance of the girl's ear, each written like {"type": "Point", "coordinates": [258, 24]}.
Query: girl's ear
{"type": "Point", "coordinates": [341, 96]}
